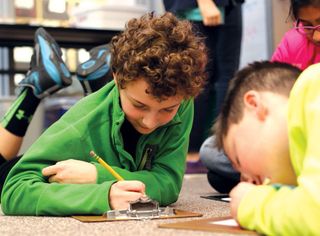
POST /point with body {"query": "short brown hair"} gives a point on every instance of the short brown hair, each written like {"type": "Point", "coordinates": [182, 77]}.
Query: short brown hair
{"type": "Point", "coordinates": [162, 50]}
{"type": "Point", "coordinates": [261, 76]}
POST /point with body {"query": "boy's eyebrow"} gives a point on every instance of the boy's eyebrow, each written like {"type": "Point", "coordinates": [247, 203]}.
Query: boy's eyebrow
{"type": "Point", "coordinates": [141, 103]}
{"type": "Point", "coordinates": [235, 164]}
{"type": "Point", "coordinates": [230, 159]}
{"type": "Point", "coordinates": [228, 156]}
{"type": "Point", "coordinates": [134, 100]}
{"type": "Point", "coordinates": [237, 161]}
{"type": "Point", "coordinates": [172, 106]}
{"type": "Point", "coordinates": [137, 101]}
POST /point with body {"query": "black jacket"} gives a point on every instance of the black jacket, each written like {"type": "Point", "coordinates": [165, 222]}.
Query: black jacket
{"type": "Point", "coordinates": [178, 5]}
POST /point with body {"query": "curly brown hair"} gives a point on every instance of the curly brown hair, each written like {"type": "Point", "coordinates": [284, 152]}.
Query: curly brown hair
{"type": "Point", "coordinates": [164, 51]}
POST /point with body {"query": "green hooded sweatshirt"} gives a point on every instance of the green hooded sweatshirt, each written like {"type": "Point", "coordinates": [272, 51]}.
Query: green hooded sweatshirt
{"type": "Point", "coordinates": [94, 124]}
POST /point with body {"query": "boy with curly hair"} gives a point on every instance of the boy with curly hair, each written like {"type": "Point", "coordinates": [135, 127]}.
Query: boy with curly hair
{"type": "Point", "coordinates": [139, 124]}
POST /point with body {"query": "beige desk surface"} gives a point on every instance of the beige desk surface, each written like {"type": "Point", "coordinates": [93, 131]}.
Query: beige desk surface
{"type": "Point", "coordinates": [193, 187]}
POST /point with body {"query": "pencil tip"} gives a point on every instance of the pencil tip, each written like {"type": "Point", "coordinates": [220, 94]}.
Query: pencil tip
{"type": "Point", "coordinates": [92, 153]}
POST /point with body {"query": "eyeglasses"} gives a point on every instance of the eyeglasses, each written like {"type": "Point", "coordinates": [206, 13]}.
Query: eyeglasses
{"type": "Point", "coordinates": [306, 30]}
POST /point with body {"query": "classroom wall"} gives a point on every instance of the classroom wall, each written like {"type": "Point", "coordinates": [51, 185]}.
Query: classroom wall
{"type": "Point", "coordinates": [264, 24]}
{"type": "Point", "coordinates": [256, 35]}
{"type": "Point", "coordinates": [282, 22]}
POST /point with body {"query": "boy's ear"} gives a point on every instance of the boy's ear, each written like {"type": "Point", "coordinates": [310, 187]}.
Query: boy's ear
{"type": "Point", "coordinates": [253, 102]}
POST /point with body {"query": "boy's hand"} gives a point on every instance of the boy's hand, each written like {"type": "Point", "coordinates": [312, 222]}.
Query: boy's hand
{"type": "Point", "coordinates": [71, 172]}
{"type": "Point", "coordinates": [236, 194]}
{"type": "Point", "coordinates": [123, 192]}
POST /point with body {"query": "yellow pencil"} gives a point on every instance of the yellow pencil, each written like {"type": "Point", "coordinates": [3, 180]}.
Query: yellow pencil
{"type": "Point", "coordinates": [105, 165]}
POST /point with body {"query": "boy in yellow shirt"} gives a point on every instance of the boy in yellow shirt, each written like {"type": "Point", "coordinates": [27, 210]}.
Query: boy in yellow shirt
{"type": "Point", "coordinates": [269, 129]}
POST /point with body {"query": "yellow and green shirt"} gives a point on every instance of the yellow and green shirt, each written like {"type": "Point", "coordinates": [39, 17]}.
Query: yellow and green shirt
{"type": "Point", "coordinates": [284, 210]}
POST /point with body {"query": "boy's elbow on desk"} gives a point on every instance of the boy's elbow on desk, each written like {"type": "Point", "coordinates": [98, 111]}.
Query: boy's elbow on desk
{"type": "Point", "coordinates": [8, 206]}
{"type": "Point", "coordinates": [169, 196]}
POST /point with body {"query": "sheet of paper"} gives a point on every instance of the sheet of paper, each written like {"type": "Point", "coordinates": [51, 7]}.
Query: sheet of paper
{"type": "Point", "coordinates": [229, 222]}
{"type": "Point", "coordinates": [227, 199]}
{"type": "Point", "coordinates": [25, 4]}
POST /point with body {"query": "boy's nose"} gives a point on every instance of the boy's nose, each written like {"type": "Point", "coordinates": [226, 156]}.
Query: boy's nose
{"type": "Point", "coordinates": [150, 121]}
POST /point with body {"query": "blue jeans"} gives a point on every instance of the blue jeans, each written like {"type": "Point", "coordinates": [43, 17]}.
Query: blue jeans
{"type": "Point", "coordinates": [224, 46]}
{"type": "Point", "coordinates": [221, 175]}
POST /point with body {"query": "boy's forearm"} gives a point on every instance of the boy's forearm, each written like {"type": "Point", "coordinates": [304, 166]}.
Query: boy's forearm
{"type": "Point", "coordinates": [38, 198]}
{"type": "Point", "coordinates": [274, 211]}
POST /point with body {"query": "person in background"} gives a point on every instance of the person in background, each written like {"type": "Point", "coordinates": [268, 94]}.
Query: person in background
{"type": "Point", "coordinates": [47, 75]}
{"type": "Point", "coordinates": [139, 123]}
{"type": "Point", "coordinates": [269, 129]}
{"type": "Point", "coordinates": [300, 47]}
{"type": "Point", "coordinates": [220, 22]}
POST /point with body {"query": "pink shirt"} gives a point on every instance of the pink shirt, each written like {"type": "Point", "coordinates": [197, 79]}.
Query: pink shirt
{"type": "Point", "coordinates": [297, 50]}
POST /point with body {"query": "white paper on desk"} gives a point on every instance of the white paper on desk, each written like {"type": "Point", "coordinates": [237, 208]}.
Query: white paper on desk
{"type": "Point", "coordinates": [226, 199]}
{"type": "Point", "coordinates": [24, 4]}
{"type": "Point", "coordinates": [229, 222]}
{"type": "Point", "coordinates": [57, 6]}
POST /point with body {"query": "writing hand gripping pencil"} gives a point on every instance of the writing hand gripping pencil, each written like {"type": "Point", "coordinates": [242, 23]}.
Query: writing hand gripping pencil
{"type": "Point", "coordinates": [123, 192]}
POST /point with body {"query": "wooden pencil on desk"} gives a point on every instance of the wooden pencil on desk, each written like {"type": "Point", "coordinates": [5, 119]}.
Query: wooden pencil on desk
{"type": "Point", "coordinates": [105, 165]}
